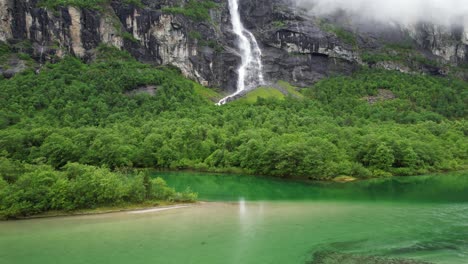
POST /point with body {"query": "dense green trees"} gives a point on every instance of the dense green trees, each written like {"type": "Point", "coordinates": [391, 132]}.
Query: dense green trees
{"type": "Point", "coordinates": [418, 97]}
{"type": "Point", "coordinates": [33, 189]}
{"type": "Point", "coordinates": [75, 113]}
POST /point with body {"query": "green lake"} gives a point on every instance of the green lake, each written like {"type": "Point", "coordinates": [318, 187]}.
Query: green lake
{"type": "Point", "coordinates": [247, 219]}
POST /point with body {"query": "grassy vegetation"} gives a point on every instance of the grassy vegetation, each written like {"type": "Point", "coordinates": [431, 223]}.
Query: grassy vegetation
{"type": "Point", "coordinates": [8, 54]}
{"type": "Point", "coordinates": [129, 36]}
{"type": "Point", "coordinates": [198, 10]}
{"type": "Point", "coordinates": [403, 52]}
{"type": "Point", "coordinates": [195, 35]}
{"type": "Point", "coordinates": [346, 36]}
{"type": "Point", "coordinates": [262, 92]}
{"type": "Point", "coordinates": [137, 3]}
{"type": "Point", "coordinates": [343, 34]}
{"type": "Point", "coordinates": [405, 58]}
{"type": "Point", "coordinates": [90, 4]}
{"type": "Point", "coordinates": [278, 23]}
{"type": "Point", "coordinates": [207, 93]}
{"type": "Point", "coordinates": [5, 50]}
{"type": "Point", "coordinates": [406, 45]}
{"type": "Point", "coordinates": [291, 89]}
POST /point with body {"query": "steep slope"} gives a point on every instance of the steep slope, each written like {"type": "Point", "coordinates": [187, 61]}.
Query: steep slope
{"type": "Point", "coordinates": [196, 37]}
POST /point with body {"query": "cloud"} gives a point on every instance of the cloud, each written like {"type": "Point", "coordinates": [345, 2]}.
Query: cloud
{"type": "Point", "coordinates": [442, 12]}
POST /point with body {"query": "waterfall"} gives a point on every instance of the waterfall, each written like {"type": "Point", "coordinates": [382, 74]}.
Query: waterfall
{"type": "Point", "coordinates": [250, 71]}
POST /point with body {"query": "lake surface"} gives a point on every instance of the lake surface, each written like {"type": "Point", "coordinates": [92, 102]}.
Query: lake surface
{"type": "Point", "coordinates": [260, 220]}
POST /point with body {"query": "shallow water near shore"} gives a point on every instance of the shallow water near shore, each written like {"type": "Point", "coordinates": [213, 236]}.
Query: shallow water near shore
{"type": "Point", "coordinates": [246, 227]}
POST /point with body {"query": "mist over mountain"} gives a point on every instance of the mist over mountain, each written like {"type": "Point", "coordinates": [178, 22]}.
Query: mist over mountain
{"type": "Point", "coordinates": [443, 12]}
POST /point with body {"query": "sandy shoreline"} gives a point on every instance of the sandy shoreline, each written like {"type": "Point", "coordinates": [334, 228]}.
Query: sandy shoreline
{"type": "Point", "coordinates": [131, 209]}
{"type": "Point", "coordinates": [158, 209]}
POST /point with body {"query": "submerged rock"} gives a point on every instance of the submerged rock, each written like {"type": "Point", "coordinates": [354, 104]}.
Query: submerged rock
{"type": "Point", "coordinates": [329, 257]}
{"type": "Point", "coordinates": [344, 179]}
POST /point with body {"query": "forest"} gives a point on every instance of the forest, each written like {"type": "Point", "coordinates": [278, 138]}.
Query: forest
{"type": "Point", "coordinates": [76, 135]}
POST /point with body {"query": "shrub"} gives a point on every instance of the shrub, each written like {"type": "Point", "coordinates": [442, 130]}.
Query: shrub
{"type": "Point", "coordinates": [198, 10]}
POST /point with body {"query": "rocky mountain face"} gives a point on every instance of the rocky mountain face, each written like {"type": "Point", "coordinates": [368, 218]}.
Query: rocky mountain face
{"type": "Point", "coordinates": [449, 43]}
{"type": "Point", "coordinates": [297, 47]}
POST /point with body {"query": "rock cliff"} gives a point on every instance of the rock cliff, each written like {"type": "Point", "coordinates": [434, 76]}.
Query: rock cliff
{"type": "Point", "coordinates": [297, 47]}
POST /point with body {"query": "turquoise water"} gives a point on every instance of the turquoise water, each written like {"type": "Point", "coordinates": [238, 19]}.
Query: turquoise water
{"type": "Point", "coordinates": [259, 220]}
{"type": "Point", "coordinates": [219, 187]}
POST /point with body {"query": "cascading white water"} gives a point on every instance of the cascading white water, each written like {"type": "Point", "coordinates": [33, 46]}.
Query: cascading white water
{"type": "Point", "coordinates": [250, 71]}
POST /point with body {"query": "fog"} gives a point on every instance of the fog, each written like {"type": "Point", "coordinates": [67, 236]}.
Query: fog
{"type": "Point", "coordinates": [444, 12]}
